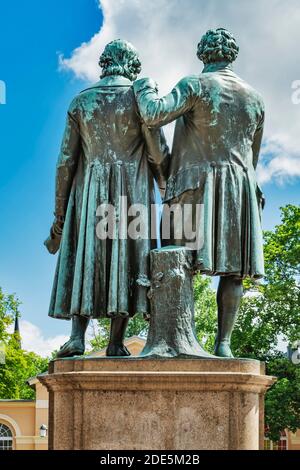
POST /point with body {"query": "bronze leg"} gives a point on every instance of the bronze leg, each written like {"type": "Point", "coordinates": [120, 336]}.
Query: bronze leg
{"type": "Point", "coordinates": [79, 326]}
{"type": "Point", "coordinates": [229, 296]}
{"type": "Point", "coordinates": [117, 334]}
{"type": "Point", "coordinates": [76, 344]}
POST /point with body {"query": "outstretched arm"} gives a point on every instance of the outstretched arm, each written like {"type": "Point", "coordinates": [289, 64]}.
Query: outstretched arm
{"type": "Point", "coordinates": [157, 112]}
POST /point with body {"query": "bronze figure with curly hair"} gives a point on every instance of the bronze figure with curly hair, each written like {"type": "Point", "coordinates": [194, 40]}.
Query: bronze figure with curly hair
{"type": "Point", "coordinates": [120, 58]}
{"type": "Point", "coordinates": [106, 154]}
{"type": "Point", "coordinates": [219, 127]}
{"type": "Point", "coordinates": [217, 45]}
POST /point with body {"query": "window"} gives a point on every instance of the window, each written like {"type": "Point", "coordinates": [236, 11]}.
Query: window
{"type": "Point", "coordinates": [6, 437]}
{"type": "Point", "coordinates": [279, 445]}
{"type": "Point", "coordinates": [282, 443]}
{"type": "Point", "coordinates": [267, 444]}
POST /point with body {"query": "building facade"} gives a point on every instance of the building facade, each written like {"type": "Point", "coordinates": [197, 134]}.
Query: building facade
{"type": "Point", "coordinates": [23, 422]}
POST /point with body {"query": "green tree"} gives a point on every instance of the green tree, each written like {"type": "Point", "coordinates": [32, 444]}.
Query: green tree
{"type": "Point", "coordinates": [275, 310]}
{"type": "Point", "coordinates": [269, 313]}
{"type": "Point", "coordinates": [100, 335]}
{"type": "Point", "coordinates": [9, 308]}
{"type": "Point", "coordinates": [273, 314]}
{"type": "Point", "coordinates": [282, 404]}
{"type": "Point", "coordinates": [205, 312]}
{"type": "Point", "coordinates": [17, 365]}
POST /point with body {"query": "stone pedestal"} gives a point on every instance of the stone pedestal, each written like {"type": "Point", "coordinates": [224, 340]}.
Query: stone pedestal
{"type": "Point", "coordinates": [155, 404]}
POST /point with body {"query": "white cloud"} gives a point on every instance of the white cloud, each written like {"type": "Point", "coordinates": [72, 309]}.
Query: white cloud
{"type": "Point", "coordinates": [166, 33]}
{"type": "Point", "coordinates": [34, 340]}
{"type": "Point", "coordinates": [279, 161]}
{"type": "Point", "coordinates": [282, 167]}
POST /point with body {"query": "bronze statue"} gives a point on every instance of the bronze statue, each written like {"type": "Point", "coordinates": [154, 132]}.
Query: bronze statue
{"type": "Point", "coordinates": [219, 127]}
{"type": "Point", "coordinates": [106, 154]}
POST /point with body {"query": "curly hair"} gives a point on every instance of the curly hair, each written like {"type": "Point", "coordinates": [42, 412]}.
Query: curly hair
{"type": "Point", "coordinates": [120, 58]}
{"type": "Point", "coordinates": [217, 45]}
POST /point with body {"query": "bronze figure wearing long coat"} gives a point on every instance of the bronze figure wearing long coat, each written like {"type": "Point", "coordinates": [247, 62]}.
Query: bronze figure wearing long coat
{"type": "Point", "coordinates": [215, 152]}
{"type": "Point", "coordinates": [104, 155]}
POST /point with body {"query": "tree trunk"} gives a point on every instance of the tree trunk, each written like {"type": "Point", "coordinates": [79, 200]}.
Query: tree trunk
{"type": "Point", "coordinates": [172, 327]}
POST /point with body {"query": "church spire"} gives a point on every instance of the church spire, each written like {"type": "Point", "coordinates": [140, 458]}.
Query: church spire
{"type": "Point", "coordinates": [17, 334]}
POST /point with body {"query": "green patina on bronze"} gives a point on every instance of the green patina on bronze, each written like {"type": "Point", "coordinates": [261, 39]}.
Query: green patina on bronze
{"type": "Point", "coordinates": [219, 126]}
{"type": "Point", "coordinates": [111, 149]}
{"type": "Point", "coordinates": [106, 153]}
{"type": "Point", "coordinates": [172, 324]}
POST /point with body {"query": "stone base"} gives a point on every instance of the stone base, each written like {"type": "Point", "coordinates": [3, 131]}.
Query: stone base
{"type": "Point", "coordinates": [155, 404]}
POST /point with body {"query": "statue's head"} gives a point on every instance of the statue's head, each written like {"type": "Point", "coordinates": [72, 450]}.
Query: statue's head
{"type": "Point", "coordinates": [120, 58]}
{"type": "Point", "coordinates": [217, 45]}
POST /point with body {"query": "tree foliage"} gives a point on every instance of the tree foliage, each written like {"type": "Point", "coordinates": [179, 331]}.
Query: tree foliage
{"type": "Point", "coordinates": [282, 404]}
{"type": "Point", "coordinates": [205, 312]}
{"type": "Point", "coordinates": [269, 314]}
{"type": "Point", "coordinates": [16, 365]}
{"type": "Point", "coordinates": [19, 366]}
{"type": "Point", "coordinates": [9, 306]}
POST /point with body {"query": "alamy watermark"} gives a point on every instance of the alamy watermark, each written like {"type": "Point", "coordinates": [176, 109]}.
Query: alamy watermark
{"type": "Point", "coordinates": [138, 222]}
{"type": "Point", "coordinates": [2, 92]}
{"type": "Point", "coordinates": [296, 92]}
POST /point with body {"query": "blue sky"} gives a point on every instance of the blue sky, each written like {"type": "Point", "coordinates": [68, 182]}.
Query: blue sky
{"type": "Point", "coordinates": [32, 36]}
{"type": "Point", "coordinates": [31, 123]}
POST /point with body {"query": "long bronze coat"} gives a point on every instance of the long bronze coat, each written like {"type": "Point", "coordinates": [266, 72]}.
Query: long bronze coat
{"type": "Point", "coordinates": [215, 152]}
{"type": "Point", "coordinates": [104, 155]}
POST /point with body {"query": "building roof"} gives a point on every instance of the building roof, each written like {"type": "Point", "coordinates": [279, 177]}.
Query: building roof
{"type": "Point", "coordinates": [32, 381]}
{"type": "Point", "coordinates": [17, 401]}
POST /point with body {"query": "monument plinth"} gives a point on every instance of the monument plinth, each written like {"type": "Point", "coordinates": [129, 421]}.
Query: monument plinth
{"type": "Point", "coordinates": [156, 404]}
